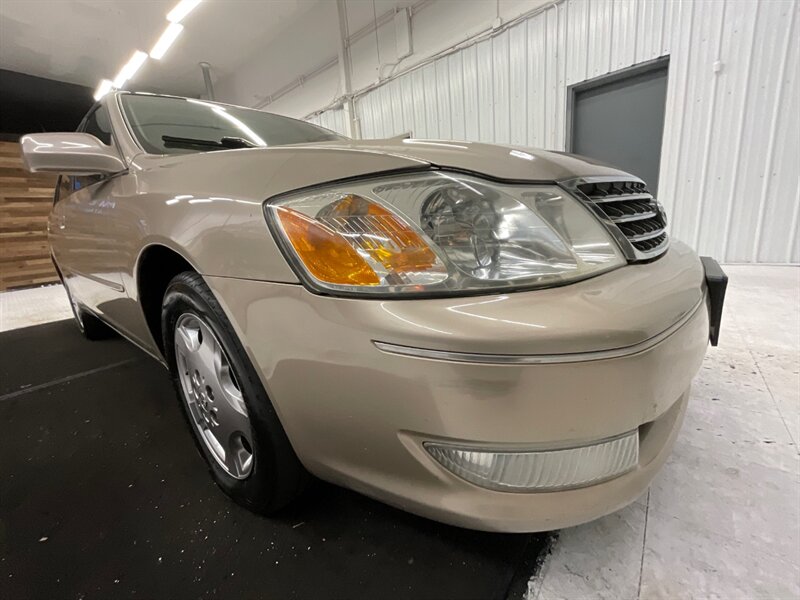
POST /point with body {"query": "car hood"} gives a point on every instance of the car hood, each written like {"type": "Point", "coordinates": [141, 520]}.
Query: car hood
{"type": "Point", "coordinates": [259, 173]}
{"type": "Point", "coordinates": [498, 161]}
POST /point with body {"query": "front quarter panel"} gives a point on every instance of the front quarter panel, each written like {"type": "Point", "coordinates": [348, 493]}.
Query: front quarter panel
{"type": "Point", "coordinates": [208, 206]}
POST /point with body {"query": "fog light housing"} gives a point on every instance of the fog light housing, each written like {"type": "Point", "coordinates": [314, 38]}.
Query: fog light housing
{"type": "Point", "coordinates": [540, 471]}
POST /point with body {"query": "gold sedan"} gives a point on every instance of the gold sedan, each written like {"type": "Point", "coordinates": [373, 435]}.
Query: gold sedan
{"type": "Point", "coordinates": [499, 338]}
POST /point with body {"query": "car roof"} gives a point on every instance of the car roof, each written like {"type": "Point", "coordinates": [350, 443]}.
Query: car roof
{"type": "Point", "coordinates": [127, 92]}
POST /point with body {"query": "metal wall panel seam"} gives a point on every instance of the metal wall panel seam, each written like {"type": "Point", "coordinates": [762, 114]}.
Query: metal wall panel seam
{"type": "Point", "coordinates": [418, 90]}
{"type": "Point", "coordinates": [709, 133]}
{"type": "Point", "coordinates": [407, 100]}
{"type": "Point", "coordinates": [661, 49]}
{"type": "Point", "coordinates": [471, 111]}
{"type": "Point", "coordinates": [795, 225]}
{"type": "Point", "coordinates": [771, 143]}
{"type": "Point", "coordinates": [616, 41]}
{"type": "Point", "coordinates": [701, 85]}
{"type": "Point", "coordinates": [587, 21]}
{"type": "Point", "coordinates": [677, 144]}
{"type": "Point", "coordinates": [737, 153]}
{"type": "Point", "coordinates": [561, 68]}
{"type": "Point", "coordinates": [609, 31]}
{"type": "Point", "coordinates": [485, 92]}
{"type": "Point", "coordinates": [500, 88]}
{"type": "Point", "coordinates": [668, 158]}
{"type": "Point", "coordinates": [464, 93]}
{"type": "Point", "coordinates": [399, 100]}
{"type": "Point", "coordinates": [635, 30]}
{"type": "Point", "coordinates": [571, 51]}
{"type": "Point", "coordinates": [431, 104]}
{"type": "Point", "coordinates": [518, 95]}
{"type": "Point", "coordinates": [549, 86]}
{"type": "Point", "coordinates": [442, 88]}
{"type": "Point", "coordinates": [531, 77]}
{"type": "Point", "coordinates": [365, 110]}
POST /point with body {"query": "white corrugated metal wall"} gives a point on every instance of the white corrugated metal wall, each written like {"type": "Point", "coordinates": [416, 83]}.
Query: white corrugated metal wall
{"type": "Point", "coordinates": [730, 164]}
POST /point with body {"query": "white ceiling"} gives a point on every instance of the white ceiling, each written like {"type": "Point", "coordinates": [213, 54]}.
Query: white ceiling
{"type": "Point", "coordinates": [83, 41]}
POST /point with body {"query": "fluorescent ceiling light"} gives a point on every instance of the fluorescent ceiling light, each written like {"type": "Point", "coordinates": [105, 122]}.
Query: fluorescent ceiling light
{"type": "Point", "coordinates": [170, 34]}
{"type": "Point", "coordinates": [130, 68]}
{"type": "Point", "coordinates": [102, 89]}
{"type": "Point", "coordinates": [183, 8]}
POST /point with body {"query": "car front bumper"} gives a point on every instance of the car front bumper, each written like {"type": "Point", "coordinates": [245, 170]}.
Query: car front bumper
{"type": "Point", "coordinates": [358, 415]}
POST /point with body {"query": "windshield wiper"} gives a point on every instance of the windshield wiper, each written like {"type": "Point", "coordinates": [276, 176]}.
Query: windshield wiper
{"type": "Point", "coordinates": [225, 143]}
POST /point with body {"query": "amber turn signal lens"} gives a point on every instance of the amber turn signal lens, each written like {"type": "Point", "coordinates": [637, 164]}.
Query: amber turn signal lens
{"type": "Point", "coordinates": [354, 241]}
{"type": "Point", "coordinates": [380, 233]}
{"type": "Point", "coordinates": [324, 252]}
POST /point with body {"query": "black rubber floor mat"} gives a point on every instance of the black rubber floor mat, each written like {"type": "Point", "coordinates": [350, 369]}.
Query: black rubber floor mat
{"type": "Point", "coordinates": [103, 495]}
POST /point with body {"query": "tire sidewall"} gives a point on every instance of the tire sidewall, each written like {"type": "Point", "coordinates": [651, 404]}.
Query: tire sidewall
{"type": "Point", "coordinates": [260, 490]}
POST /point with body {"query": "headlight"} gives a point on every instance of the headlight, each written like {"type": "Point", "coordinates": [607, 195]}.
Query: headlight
{"type": "Point", "coordinates": [439, 233]}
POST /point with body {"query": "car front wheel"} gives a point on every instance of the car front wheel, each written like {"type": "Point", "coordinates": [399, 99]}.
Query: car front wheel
{"type": "Point", "coordinates": [231, 418]}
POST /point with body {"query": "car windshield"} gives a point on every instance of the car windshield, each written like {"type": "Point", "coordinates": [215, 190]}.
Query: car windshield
{"type": "Point", "coordinates": [165, 125]}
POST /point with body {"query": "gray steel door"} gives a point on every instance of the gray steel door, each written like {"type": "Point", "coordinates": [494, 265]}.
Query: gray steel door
{"type": "Point", "coordinates": [621, 122]}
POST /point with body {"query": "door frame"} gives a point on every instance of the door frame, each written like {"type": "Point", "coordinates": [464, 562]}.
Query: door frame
{"type": "Point", "coordinates": [573, 90]}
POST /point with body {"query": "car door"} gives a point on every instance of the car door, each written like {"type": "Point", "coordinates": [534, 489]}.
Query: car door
{"type": "Point", "coordinates": [80, 236]}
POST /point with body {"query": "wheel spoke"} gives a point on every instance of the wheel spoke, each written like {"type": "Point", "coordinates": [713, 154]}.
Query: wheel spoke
{"type": "Point", "coordinates": [233, 435]}
{"type": "Point", "coordinates": [206, 353]}
{"type": "Point", "coordinates": [229, 386]}
{"type": "Point", "coordinates": [186, 339]}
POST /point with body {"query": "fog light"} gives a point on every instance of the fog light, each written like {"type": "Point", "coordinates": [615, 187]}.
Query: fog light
{"type": "Point", "coordinates": [546, 470]}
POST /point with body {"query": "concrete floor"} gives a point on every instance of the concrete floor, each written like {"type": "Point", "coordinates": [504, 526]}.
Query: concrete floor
{"type": "Point", "coordinates": [722, 520]}
{"type": "Point", "coordinates": [24, 308]}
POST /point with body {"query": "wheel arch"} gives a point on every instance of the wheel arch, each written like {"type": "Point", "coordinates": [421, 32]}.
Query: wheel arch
{"type": "Point", "coordinates": [156, 266]}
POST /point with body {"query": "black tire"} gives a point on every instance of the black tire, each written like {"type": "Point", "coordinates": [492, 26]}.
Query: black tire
{"type": "Point", "coordinates": [277, 477]}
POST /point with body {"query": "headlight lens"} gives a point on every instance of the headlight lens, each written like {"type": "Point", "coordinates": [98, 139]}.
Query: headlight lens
{"type": "Point", "coordinates": [440, 233]}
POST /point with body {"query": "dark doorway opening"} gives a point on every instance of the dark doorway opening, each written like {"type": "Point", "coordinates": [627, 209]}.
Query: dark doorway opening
{"type": "Point", "coordinates": [619, 119]}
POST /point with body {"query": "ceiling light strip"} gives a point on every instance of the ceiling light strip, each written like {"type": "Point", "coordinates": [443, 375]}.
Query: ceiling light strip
{"type": "Point", "coordinates": [103, 88]}
{"type": "Point", "coordinates": [170, 34]}
{"type": "Point", "coordinates": [183, 8]}
{"type": "Point", "coordinates": [130, 68]}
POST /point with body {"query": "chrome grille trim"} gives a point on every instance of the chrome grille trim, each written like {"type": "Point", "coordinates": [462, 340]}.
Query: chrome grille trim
{"type": "Point", "coordinates": [629, 212]}
{"type": "Point", "coordinates": [647, 215]}
{"type": "Point", "coordinates": [601, 200]}
{"type": "Point", "coordinates": [645, 236]}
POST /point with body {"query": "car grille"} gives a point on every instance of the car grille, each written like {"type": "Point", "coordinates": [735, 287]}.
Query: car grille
{"type": "Point", "coordinates": [633, 210]}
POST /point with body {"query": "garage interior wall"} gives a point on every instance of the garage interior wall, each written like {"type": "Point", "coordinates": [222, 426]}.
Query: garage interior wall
{"type": "Point", "coordinates": [731, 150]}
{"type": "Point", "coordinates": [25, 201]}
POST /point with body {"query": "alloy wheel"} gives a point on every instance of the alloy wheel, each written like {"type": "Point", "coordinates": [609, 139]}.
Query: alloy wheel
{"type": "Point", "coordinates": [213, 396]}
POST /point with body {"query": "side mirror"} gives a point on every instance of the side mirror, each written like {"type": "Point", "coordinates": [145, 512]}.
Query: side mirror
{"type": "Point", "coordinates": [70, 154]}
